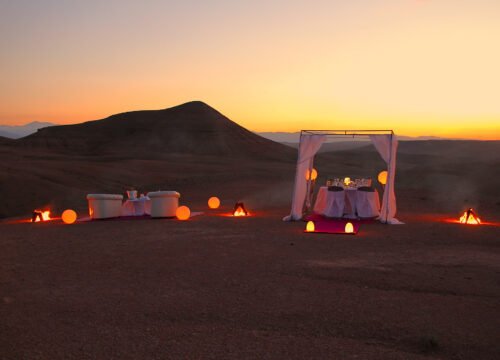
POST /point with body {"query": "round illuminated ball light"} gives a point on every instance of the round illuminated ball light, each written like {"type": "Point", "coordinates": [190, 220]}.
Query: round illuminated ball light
{"type": "Point", "coordinates": [213, 202]}
{"type": "Point", "coordinates": [382, 177]}
{"type": "Point", "coordinates": [183, 213]}
{"type": "Point", "coordinates": [69, 216]}
{"type": "Point", "coordinates": [311, 175]}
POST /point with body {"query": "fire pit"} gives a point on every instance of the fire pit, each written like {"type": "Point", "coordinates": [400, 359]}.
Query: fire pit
{"type": "Point", "coordinates": [469, 217]}
{"type": "Point", "coordinates": [239, 210]}
{"type": "Point", "coordinates": [39, 215]}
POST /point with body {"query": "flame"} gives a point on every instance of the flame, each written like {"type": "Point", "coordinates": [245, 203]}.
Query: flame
{"type": "Point", "coordinates": [349, 229]}
{"type": "Point", "coordinates": [347, 181]}
{"type": "Point", "coordinates": [239, 212]}
{"type": "Point", "coordinates": [470, 218]}
{"type": "Point", "coordinates": [45, 215]}
{"type": "Point", "coordinates": [310, 226]}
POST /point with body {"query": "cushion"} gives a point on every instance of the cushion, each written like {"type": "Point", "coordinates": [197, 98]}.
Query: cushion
{"type": "Point", "coordinates": [164, 194]}
{"type": "Point", "coordinates": [104, 197]}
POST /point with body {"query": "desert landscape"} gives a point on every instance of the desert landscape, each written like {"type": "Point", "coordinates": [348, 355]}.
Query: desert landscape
{"type": "Point", "coordinates": [218, 286]}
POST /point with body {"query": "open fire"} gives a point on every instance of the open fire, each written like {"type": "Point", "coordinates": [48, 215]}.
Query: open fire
{"type": "Point", "coordinates": [239, 210]}
{"type": "Point", "coordinates": [40, 215]}
{"type": "Point", "coordinates": [470, 217]}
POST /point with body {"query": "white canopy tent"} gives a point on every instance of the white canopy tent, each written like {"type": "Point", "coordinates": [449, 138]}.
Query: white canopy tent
{"type": "Point", "coordinates": [386, 143]}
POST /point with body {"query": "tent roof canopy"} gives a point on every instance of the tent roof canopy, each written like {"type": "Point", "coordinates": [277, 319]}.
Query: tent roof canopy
{"type": "Point", "coordinates": [353, 133]}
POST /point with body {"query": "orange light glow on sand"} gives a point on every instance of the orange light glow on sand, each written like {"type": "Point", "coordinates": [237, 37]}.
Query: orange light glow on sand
{"type": "Point", "coordinates": [474, 221]}
{"type": "Point", "coordinates": [457, 221]}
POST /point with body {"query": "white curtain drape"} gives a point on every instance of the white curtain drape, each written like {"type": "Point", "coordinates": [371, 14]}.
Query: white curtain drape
{"type": "Point", "coordinates": [387, 146]}
{"type": "Point", "coordinates": [309, 146]}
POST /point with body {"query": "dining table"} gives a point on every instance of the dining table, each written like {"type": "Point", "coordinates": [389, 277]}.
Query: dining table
{"type": "Point", "coordinates": [324, 201]}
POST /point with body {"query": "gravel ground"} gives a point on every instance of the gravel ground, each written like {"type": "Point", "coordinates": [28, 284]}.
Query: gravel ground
{"type": "Point", "coordinates": [221, 287]}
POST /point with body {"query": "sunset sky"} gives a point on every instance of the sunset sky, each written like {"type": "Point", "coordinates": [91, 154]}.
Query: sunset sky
{"type": "Point", "coordinates": [420, 67]}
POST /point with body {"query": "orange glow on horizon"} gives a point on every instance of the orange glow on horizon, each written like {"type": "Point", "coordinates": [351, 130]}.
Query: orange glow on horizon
{"type": "Point", "coordinates": [481, 129]}
{"type": "Point", "coordinates": [421, 68]}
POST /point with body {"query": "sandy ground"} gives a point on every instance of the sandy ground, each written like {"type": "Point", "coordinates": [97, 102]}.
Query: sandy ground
{"type": "Point", "coordinates": [222, 287]}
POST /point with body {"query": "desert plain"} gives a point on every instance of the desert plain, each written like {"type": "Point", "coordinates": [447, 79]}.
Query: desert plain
{"type": "Point", "coordinates": [220, 287]}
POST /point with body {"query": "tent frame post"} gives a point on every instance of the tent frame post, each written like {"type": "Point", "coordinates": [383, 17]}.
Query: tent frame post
{"type": "Point", "coordinates": [388, 185]}
{"type": "Point", "coordinates": [296, 166]}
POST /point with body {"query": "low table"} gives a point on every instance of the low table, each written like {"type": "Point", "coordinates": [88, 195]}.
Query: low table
{"type": "Point", "coordinates": [136, 207]}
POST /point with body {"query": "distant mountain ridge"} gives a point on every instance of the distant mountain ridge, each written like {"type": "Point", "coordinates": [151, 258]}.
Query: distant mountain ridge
{"type": "Point", "coordinates": [190, 128]}
{"type": "Point", "coordinates": [19, 131]}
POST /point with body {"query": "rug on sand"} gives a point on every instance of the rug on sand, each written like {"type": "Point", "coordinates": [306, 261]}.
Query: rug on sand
{"type": "Point", "coordinates": [326, 225]}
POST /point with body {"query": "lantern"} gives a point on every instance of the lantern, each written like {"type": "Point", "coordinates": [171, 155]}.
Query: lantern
{"type": "Point", "coordinates": [310, 226]}
{"type": "Point", "coordinates": [382, 177]}
{"type": "Point", "coordinates": [213, 202]}
{"type": "Point", "coordinates": [347, 181]}
{"type": "Point", "coordinates": [69, 216]}
{"type": "Point", "coordinates": [311, 175]}
{"type": "Point", "coordinates": [183, 213]}
{"type": "Point", "coordinates": [349, 229]}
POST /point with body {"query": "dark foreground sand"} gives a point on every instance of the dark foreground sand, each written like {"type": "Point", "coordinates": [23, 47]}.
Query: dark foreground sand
{"type": "Point", "coordinates": [221, 287]}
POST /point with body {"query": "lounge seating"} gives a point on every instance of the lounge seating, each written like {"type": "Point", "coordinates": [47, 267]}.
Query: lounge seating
{"type": "Point", "coordinates": [164, 203]}
{"type": "Point", "coordinates": [104, 206]}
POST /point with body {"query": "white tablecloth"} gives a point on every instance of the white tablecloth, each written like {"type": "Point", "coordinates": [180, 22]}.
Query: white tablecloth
{"type": "Point", "coordinates": [367, 204]}
{"type": "Point", "coordinates": [324, 201]}
{"type": "Point", "coordinates": [137, 207]}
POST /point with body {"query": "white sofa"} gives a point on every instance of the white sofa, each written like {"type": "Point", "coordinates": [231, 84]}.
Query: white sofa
{"type": "Point", "coordinates": [164, 203]}
{"type": "Point", "coordinates": [104, 206]}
